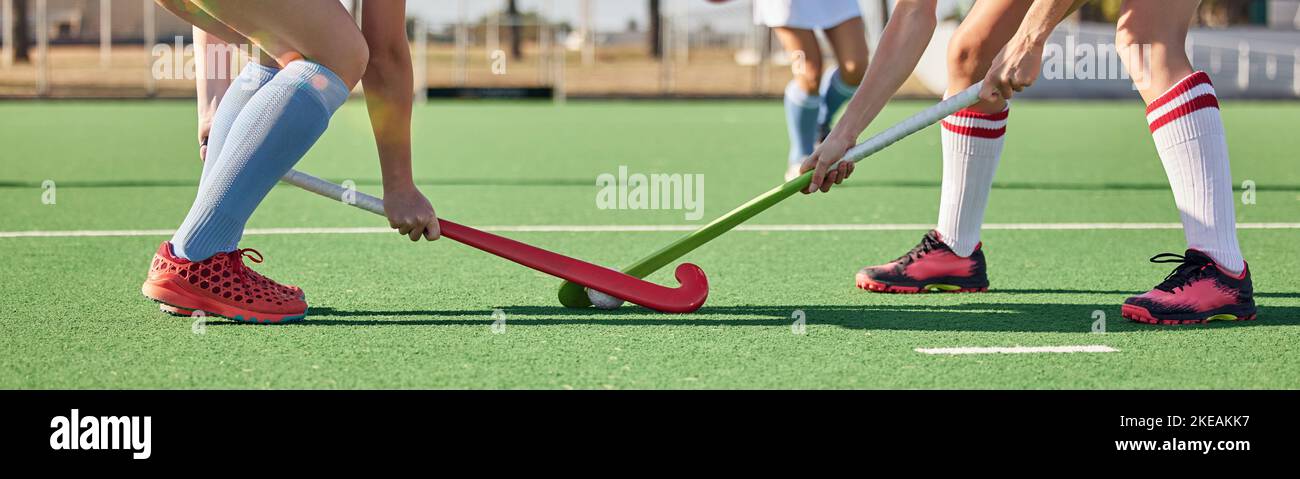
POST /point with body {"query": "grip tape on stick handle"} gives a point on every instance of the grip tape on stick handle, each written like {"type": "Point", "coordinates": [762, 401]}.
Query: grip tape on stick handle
{"type": "Point", "coordinates": [337, 192]}
{"type": "Point", "coordinates": [913, 124]}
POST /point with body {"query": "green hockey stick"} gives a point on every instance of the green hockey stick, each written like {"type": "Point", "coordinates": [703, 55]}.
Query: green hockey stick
{"type": "Point", "coordinates": [573, 295]}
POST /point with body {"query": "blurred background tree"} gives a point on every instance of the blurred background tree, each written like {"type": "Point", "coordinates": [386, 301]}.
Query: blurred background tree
{"type": "Point", "coordinates": [1100, 11]}
{"type": "Point", "coordinates": [516, 30]}
{"type": "Point", "coordinates": [656, 35]}
{"type": "Point", "coordinates": [1211, 13]}
{"type": "Point", "coordinates": [1220, 13]}
{"type": "Point", "coordinates": [22, 32]}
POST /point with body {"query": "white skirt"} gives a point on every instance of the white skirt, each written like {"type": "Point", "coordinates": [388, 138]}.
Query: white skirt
{"type": "Point", "coordinates": [805, 14]}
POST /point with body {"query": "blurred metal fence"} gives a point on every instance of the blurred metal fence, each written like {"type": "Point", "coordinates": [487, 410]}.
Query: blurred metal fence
{"type": "Point", "coordinates": [705, 50]}
{"type": "Point", "coordinates": [568, 48]}
{"type": "Point", "coordinates": [89, 48]}
{"type": "Point", "coordinates": [1244, 62]}
{"type": "Point", "coordinates": [131, 48]}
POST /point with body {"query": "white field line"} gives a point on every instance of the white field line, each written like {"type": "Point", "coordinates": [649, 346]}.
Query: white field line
{"type": "Point", "coordinates": [1095, 348]}
{"type": "Point", "coordinates": [651, 229]}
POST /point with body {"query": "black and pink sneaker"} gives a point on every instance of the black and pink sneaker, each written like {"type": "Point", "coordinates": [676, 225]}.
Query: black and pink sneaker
{"type": "Point", "coordinates": [930, 267]}
{"type": "Point", "coordinates": [1197, 291]}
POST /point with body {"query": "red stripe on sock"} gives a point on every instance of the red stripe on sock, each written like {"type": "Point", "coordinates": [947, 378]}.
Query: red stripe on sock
{"type": "Point", "coordinates": [1196, 104]}
{"type": "Point", "coordinates": [968, 113]}
{"type": "Point", "coordinates": [989, 133]}
{"type": "Point", "coordinates": [1192, 81]}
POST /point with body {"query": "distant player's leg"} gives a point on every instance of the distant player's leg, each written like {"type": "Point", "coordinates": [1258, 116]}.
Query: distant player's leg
{"type": "Point", "coordinates": [950, 258]}
{"type": "Point", "coordinates": [849, 42]}
{"type": "Point", "coordinates": [201, 268]}
{"type": "Point", "coordinates": [802, 100]}
{"type": "Point", "coordinates": [1211, 280]}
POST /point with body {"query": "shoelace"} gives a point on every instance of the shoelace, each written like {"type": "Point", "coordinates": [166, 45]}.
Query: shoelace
{"type": "Point", "coordinates": [252, 254]}
{"type": "Point", "coordinates": [237, 264]}
{"type": "Point", "coordinates": [1188, 269]}
{"type": "Point", "coordinates": [254, 276]}
{"type": "Point", "coordinates": [927, 245]}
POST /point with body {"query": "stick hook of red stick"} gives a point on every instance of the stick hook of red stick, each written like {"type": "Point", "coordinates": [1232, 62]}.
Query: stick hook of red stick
{"type": "Point", "coordinates": [688, 297]}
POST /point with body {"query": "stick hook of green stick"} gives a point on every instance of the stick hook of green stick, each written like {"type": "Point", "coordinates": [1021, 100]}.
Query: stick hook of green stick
{"type": "Point", "coordinates": [573, 295]}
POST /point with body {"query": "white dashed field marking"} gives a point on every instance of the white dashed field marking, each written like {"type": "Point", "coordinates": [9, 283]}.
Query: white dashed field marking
{"type": "Point", "coordinates": [650, 229]}
{"type": "Point", "coordinates": [1096, 348]}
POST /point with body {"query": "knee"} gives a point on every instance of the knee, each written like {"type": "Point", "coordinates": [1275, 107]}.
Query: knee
{"type": "Point", "coordinates": [352, 61]}
{"type": "Point", "coordinates": [348, 57]}
{"type": "Point", "coordinates": [1130, 33]}
{"type": "Point", "coordinates": [808, 75]}
{"type": "Point", "coordinates": [965, 56]}
{"type": "Point", "coordinates": [851, 71]}
{"type": "Point", "coordinates": [1126, 39]}
{"type": "Point", "coordinates": [1142, 47]}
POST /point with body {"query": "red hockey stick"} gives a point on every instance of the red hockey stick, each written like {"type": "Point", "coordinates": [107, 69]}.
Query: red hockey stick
{"type": "Point", "coordinates": [686, 298]}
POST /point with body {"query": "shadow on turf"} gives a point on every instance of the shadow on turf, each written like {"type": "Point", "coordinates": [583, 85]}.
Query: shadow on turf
{"type": "Point", "coordinates": [989, 317]}
{"type": "Point", "coordinates": [1033, 185]}
{"type": "Point", "coordinates": [1115, 291]}
{"type": "Point", "coordinates": [363, 182]}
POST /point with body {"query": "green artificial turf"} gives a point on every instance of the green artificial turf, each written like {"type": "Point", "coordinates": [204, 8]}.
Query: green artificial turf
{"type": "Point", "coordinates": [390, 314]}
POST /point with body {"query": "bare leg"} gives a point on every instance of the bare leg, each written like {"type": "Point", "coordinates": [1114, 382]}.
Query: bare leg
{"type": "Point", "coordinates": [322, 32]}
{"type": "Point", "coordinates": [978, 40]}
{"type": "Point", "coordinates": [807, 54]}
{"type": "Point", "coordinates": [849, 42]}
{"type": "Point", "coordinates": [973, 139]}
{"type": "Point", "coordinates": [802, 99]}
{"type": "Point", "coordinates": [280, 120]}
{"type": "Point", "coordinates": [1183, 113]}
{"type": "Point", "coordinates": [1161, 27]}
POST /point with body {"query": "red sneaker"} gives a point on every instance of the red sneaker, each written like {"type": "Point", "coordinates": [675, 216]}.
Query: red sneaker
{"type": "Point", "coordinates": [265, 282]}
{"type": "Point", "coordinates": [221, 286]}
{"type": "Point", "coordinates": [1197, 291]}
{"type": "Point", "coordinates": [930, 266]}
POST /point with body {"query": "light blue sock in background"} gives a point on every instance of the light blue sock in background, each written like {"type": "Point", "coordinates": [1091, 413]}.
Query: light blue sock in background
{"type": "Point", "coordinates": [272, 132]}
{"type": "Point", "coordinates": [801, 121]}
{"type": "Point", "coordinates": [834, 93]}
{"type": "Point", "coordinates": [242, 88]}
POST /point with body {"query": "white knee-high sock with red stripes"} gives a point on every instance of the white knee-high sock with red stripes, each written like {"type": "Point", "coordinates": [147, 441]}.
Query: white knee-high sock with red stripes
{"type": "Point", "coordinates": [1188, 132]}
{"type": "Point", "coordinates": [972, 146]}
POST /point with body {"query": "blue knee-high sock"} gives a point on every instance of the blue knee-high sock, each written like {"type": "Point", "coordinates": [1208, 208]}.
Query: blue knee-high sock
{"type": "Point", "coordinates": [801, 121]}
{"type": "Point", "coordinates": [242, 88]}
{"type": "Point", "coordinates": [273, 131]}
{"type": "Point", "coordinates": [834, 93]}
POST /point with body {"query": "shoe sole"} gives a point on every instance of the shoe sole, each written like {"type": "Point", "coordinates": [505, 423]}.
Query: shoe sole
{"type": "Point", "coordinates": [1142, 315]}
{"type": "Point", "coordinates": [178, 304]}
{"type": "Point", "coordinates": [878, 287]}
{"type": "Point", "coordinates": [180, 312]}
